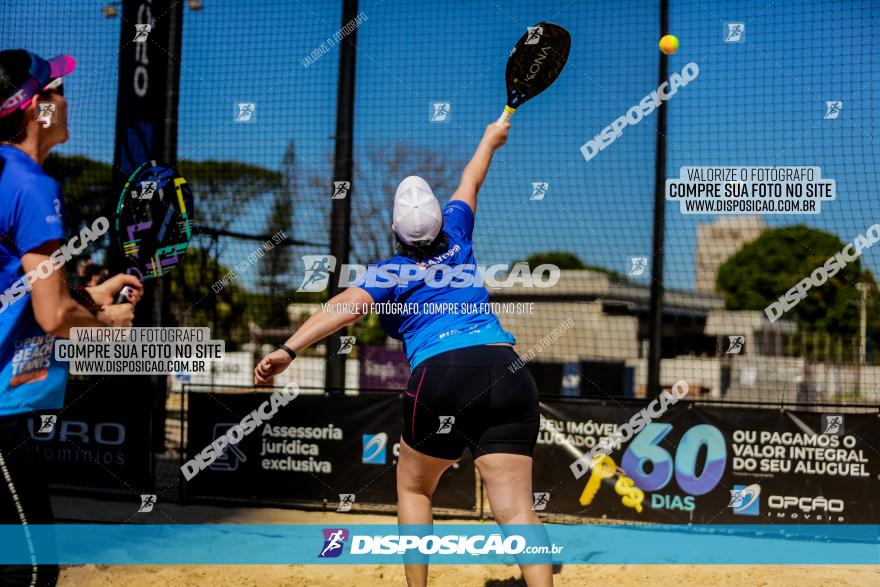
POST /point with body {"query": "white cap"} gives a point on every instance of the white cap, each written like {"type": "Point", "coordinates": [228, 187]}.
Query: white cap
{"type": "Point", "coordinates": [417, 216]}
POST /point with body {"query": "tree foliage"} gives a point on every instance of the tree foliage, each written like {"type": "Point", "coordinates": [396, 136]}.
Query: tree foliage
{"type": "Point", "coordinates": [222, 190]}
{"type": "Point", "coordinates": [274, 268]}
{"type": "Point", "coordinates": [566, 260]}
{"type": "Point", "coordinates": [765, 269]}
{"type": "Point", "coordinates": [195, 303]}
{"type": "Point", "coordinates": [88, 192]}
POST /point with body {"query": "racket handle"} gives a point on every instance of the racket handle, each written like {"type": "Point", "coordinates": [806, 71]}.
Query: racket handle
{"type": "Point", "coordinates": [505, 116]}
{"type": "Point", "coordinates": [122, 296]}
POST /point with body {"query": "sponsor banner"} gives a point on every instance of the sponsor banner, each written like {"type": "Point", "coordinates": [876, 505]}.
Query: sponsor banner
{"type": "Point", "coordinates": [703, 465]}
{"type": "Point", "coordinates": [145, 69]}
{"type": "Point", "coordinates": [477, 543]}
{"type": "Point", "coordinates": [335, 448]}
{"type": "Point", "coordinates": [100, 440]}
{"type": "Point", "coordinates": [383, 368]}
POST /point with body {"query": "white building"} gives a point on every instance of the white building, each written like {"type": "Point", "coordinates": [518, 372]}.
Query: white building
{"type": "Point", "coordinates": [718, 241]}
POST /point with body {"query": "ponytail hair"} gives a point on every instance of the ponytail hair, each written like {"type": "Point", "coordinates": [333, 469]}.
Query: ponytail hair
{"type": "Point", "coordinates": [423, 251]}
{"type": "Point", "coordinates": [14, 66]}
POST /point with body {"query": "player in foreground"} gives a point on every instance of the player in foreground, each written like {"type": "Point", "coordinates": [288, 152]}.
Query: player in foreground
{"type": "Point", "coordinates": [459, 362]}
{"type": "Point", "coordinates": [36, 309]}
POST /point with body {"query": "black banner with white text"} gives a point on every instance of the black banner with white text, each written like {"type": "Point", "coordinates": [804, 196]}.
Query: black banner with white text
{"type": "Point", "coordinates": [99, 440]}
{"type": "Point", "coordinates": [337, 448]}
{"type": "Point", "coordinates": [703, 464]}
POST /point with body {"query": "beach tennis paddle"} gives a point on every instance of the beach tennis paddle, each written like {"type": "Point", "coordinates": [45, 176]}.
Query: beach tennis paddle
{"type": "Point", "coordinates": [534, 64]}
{"type": "Point", "coordinates": [153, 222]}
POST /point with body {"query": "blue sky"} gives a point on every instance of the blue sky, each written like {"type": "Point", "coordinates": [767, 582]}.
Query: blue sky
{"type": "Point", "coordinates": [759, 102]}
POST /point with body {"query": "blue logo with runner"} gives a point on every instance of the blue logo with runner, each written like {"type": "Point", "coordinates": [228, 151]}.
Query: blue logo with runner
{"type": "Point", "coordinates": [745, 499]}
{"type": "Point", "coordinates": [334, 541]}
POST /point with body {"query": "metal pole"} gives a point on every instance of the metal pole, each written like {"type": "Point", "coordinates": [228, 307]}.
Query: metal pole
{"type": "Point", "coordinates": [168, 153]}
{"type": "Point", "coordinates": [863, 320]}
{"type": "Point", "coordinates": [863, 330]}
{"type": "Point", "coordinates": [340, 219]}
{"type": "Point", "coordinates": [146, 128]}
{"type": "Point", "coordinates": [655, 316]}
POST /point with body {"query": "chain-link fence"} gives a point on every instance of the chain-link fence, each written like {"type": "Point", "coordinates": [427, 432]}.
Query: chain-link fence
{"type": "Point", "coordinates": [753, 85]}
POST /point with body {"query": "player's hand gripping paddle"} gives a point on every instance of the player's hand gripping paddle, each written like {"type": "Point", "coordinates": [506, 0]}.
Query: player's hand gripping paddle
{"type": "Point", "coordinates": [153, 221]}
{"type": "Point", "coordinates": [534, 63]}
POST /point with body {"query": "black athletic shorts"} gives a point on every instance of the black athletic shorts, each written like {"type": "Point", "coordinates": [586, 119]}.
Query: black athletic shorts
{"type": "Point", "coordinates": [24, 501]}
{"type": "Point", "coordinates": [471, 398]}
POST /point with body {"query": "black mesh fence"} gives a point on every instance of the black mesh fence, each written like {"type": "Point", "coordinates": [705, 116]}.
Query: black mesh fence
{"type": "Point", "coordinates": [784, 85]}
{"type": "Point", "coordinates": [771, 94]}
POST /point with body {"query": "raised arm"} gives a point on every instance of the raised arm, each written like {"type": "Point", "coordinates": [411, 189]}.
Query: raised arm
{"type": "Point", "coordinates": [475, 172]}
{"type": "Point", "coordinates": [344, 308]}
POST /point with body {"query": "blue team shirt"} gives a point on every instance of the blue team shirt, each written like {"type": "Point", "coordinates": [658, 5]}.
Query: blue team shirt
{"type": "Point", "coordinates": [430, 333]}
{"type": "Point", "coordinates": [30, 215]}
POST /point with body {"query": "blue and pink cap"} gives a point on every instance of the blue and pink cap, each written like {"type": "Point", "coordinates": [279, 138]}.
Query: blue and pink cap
{"type": "Point", "coordinates": [40, 73]}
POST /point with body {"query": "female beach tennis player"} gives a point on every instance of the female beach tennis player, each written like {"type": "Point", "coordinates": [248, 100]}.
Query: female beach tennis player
{"type": "Point", "coordinates": [459, 361]}
{"type": "Point", "coordinates": [36, 305]}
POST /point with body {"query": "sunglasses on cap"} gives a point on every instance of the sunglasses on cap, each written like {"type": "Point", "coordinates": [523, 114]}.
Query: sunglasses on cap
{"type": "Point", "coordinates": [56, 85]}
{"type": "Point", "coordinates": [42, 76]}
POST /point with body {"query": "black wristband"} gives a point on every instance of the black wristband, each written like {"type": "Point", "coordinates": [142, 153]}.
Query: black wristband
{"type": "Point", "coordinates": [288, 350]}
{"type": "Point", "coordinates": [82, 296]}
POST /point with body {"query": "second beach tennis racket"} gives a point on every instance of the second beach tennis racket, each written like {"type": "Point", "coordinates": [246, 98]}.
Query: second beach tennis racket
{"type": "Point", "coordinates": [153, 221]}
{"type": "Point", "coordinates": [534, 64]}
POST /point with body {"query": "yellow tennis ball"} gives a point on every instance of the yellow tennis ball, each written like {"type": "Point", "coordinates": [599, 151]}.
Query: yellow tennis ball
{"type": "Point", "coordinates": [669, 44]}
